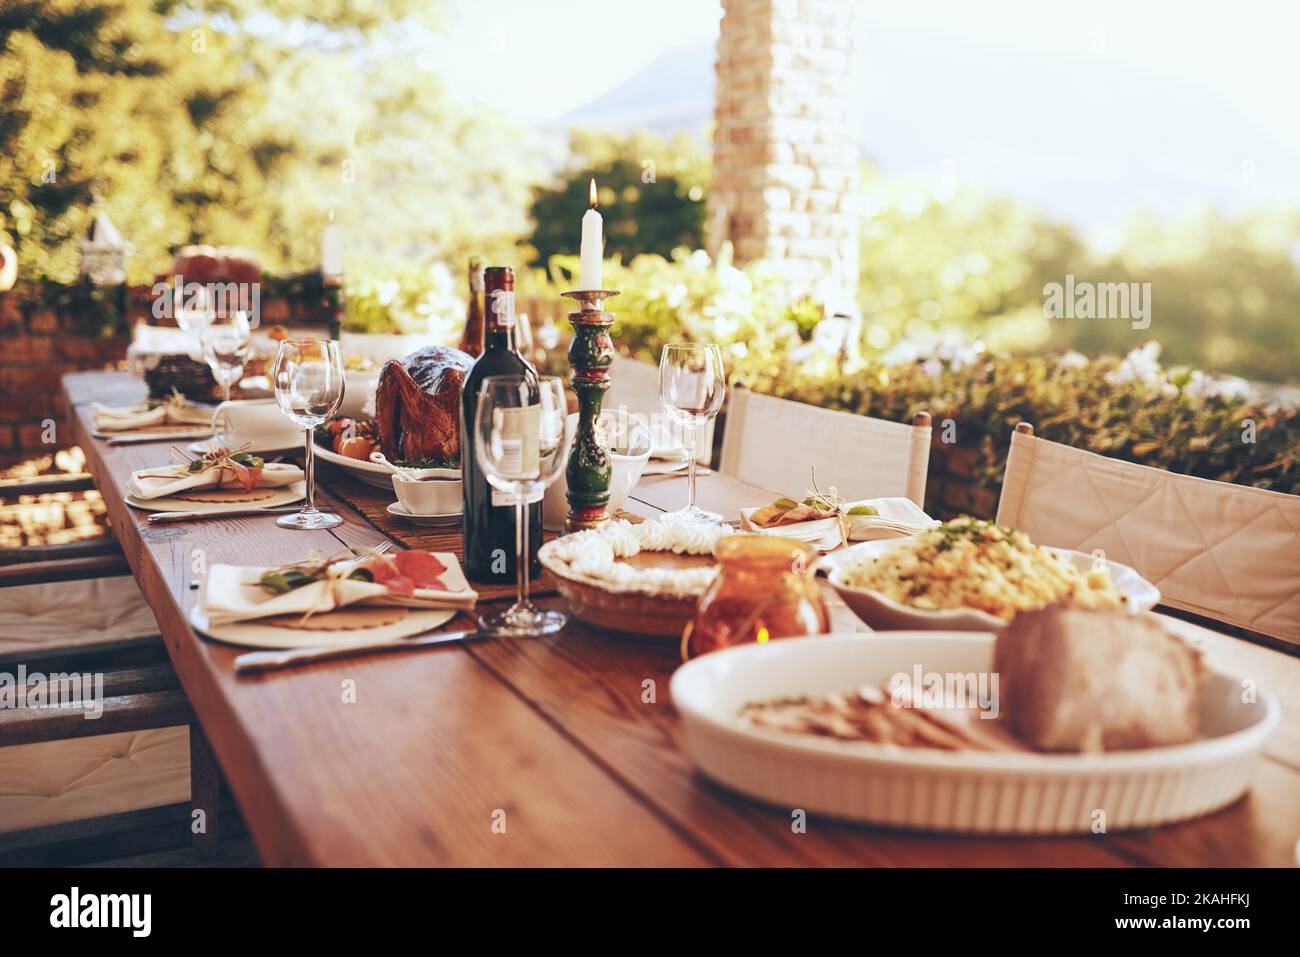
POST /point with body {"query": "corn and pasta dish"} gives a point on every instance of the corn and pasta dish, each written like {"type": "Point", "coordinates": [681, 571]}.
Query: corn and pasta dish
{"type": "Point", "coordinates": [971, 563]}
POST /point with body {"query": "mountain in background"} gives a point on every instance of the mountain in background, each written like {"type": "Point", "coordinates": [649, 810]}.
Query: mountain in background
{"type": "Point", "coordinates": [1085, 138]}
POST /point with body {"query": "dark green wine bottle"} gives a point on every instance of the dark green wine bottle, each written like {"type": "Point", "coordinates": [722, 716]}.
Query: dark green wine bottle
{"type": "Point", "coordinates": [489, 513]}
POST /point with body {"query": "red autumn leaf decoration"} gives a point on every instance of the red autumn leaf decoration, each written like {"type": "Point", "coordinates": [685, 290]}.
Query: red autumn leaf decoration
{"type": "Point", "coordinates": [247, 477]}
{"type": "Point", "coordinates": [423, 568]}
{"type": "Point", "coordinates": [400, 585]}
{"type": "Point", "coordinates": [406, 571]}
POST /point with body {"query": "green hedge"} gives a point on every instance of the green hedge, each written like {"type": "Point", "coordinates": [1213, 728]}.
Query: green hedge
{"type": "Point", "coordinates": [1178, 420]}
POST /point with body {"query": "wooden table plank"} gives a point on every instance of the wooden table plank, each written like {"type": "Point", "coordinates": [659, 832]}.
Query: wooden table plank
{"type": "Point", "coordinates": [415, 770]}
{"type": "Point", "coordinates": [714, 492]}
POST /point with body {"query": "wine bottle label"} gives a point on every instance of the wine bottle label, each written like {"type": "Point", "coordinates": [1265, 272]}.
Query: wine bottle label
{"type": "Point", "coordinates": [518, 456]}
{"type": "Point", "coordinates": [502, 308]}
{"type": "Point", "coordinates": [517, 453]}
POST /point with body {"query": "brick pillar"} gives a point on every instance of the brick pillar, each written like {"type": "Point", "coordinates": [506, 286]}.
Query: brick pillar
{"type": "Point", "coordinates": [785, 145]}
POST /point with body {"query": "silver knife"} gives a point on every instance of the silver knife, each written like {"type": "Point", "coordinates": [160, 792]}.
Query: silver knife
{"type": "Point", "coordinates": [253, 662]}
{"type": "Point", "coordinates": [158, 517]}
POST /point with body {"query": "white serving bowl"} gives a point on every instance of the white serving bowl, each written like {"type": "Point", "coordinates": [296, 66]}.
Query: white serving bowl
{"type": "Point", "coordinates": [440, 496]}
{"type": "Point", "coordinates": [885, 614]}
{"type": "Point", "coordinates": [955, 791]}
{"type": "Point", "coordinates": [625, 431]}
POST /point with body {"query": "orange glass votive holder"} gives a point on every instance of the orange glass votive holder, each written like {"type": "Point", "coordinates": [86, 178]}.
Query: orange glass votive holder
{"type": "Point", "coordinates": [765, 589]}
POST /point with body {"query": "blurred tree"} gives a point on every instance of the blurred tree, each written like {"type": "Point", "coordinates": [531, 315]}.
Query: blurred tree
{"type": "Point", "coordinates": [651, 195]}
{"type": "Point", "coordinates": [245, 122]}
{"type": "Point", "coordinates": [1225, 293]}
{"type": "Point", "coordinates": [934, 260]}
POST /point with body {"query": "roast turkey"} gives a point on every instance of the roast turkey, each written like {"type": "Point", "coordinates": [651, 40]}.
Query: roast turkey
{"type": "Point", "coordinates": [417, 404]}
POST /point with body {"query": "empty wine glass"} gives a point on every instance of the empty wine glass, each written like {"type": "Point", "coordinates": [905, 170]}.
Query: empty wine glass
{"type": "Point", "coordinates": [692, 385]}
{"type": "Point", "coordinates": [522, 446]}
{"type": "Point", "coordinates": [227, 342]}
{"type": "Point", "coordinates": [308, 376]}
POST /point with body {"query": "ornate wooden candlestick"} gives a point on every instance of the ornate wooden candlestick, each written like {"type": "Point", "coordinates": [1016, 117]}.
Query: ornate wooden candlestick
{"type": "Point", "coordinates": [590, 355]}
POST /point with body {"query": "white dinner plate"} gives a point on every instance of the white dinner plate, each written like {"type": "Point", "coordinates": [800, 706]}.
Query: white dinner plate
{"type": "Point", "coordinates": [883, 613]}
{"type": "Point", "coordinates": [374, 474]}
{"type": "Point", "coordinates": [253, 635]}
{"type": "Point", "coordinates": [664, 466]}
{"type": "Point", "coordinates": [956, 791]}
{"type": "Point", "coordinates": [286, 495]}
{"type": "Point", "coordinates": [435, 521]}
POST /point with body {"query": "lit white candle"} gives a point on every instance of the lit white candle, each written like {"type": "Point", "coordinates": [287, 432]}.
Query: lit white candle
{"type": "Point", "coordinates": [331, 250]}
{"type": "Point", "coordinates": [592, 248]}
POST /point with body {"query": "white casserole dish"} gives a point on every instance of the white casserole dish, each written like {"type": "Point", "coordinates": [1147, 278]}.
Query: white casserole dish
{"type": "Point", "coordinates": [929, 789]}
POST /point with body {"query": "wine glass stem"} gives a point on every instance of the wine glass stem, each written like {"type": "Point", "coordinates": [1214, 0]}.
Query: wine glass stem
{"type": "Point", "coordinates": [521, 551]}
{"type": "Point", "coordinates": [225, 390]}
{"type": "Point", "coordinates": [310, 469]}
{"type": "Point", "coordinates": [690, 471]}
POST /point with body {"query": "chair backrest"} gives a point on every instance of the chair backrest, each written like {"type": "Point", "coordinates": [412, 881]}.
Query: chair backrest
{"type": "Point", "coordinates": [634, 385]}
{"type": "Point", "coordinates": [773, 443]}
{"type": "Point", "coordinates": [1228, 552]}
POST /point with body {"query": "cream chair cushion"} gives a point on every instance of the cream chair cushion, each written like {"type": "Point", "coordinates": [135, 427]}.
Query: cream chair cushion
{"type": "Point", "coordinates": [68, 614]}
{"type": "Point", "coordinates": [54, 782]}
{"type": "Point", "coordinates": [1228, 552]}
{"type": "Point", "coordinates": [773, 443]}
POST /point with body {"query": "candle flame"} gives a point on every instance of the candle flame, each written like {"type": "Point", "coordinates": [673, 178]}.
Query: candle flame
{"type": "Point", "coordinates": [594, 204]}
{"type": "Point", "coordinates": [763, 635]}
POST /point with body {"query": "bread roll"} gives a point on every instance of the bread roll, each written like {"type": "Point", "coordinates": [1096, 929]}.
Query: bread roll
{"type": "Point", "coordinates": [1078, 680]}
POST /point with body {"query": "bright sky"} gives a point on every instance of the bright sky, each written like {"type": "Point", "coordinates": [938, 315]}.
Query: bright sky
{"type": "Point", "coordinates": [539, 59]}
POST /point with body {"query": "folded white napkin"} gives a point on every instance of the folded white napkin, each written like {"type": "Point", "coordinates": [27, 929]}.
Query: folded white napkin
{"type": "Point", "coordinates": [231, 593]}
{"type": "Point", "coordinates": [159, 482]}
{"type": "Point", "coordinates": [897, 518]}
{"type": "Point", "coordinates": [127, 418]}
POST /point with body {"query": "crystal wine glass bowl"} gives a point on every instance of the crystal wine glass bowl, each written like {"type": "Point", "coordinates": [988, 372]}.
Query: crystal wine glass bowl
{"type": "Point", "coordinates": [308, 377]}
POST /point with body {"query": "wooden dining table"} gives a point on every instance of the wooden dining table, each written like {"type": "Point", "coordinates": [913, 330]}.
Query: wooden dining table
{"type": "Point", "coordinates": [561, 750]}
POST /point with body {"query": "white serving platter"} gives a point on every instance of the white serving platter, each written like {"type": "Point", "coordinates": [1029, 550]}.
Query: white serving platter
{"type": "Point", "coordinates": [374, 474]}
{"type": "Point", "coordinates": [930, 789]}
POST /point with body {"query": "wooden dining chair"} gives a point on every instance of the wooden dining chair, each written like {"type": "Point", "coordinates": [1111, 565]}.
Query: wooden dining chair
{"type": "Point", "coordinates": [775, 443]}
{"type": "Point", "coordinates": [76, 809]}
{"type": "Point", "coordinates": [634, 386]}
{"type": "Point", "coordinates": [1221, 551]}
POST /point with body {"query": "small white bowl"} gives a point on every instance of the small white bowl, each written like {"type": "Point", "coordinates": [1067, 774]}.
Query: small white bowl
{"type": "Point", "coordinates": [626, 431]}
{"type": "Point", "coordinates": [429, 496]}
{"type": "Point", "coordinates": [885, 614]}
